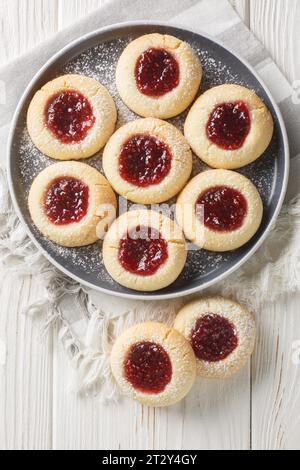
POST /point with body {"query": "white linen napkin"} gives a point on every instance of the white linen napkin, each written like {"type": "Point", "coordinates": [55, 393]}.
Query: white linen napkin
{"type": "Point", "coordinates": [88, 319]}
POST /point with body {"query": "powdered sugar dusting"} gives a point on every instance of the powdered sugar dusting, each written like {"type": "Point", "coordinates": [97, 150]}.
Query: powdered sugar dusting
{"type": "Point", "coordinates": [100, 62]}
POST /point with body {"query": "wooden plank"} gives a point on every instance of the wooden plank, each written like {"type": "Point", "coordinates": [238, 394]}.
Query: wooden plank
{"type": "Point", "coordinates": [275, 23]}
{"type": "Point", "coordinates": [25, 371]}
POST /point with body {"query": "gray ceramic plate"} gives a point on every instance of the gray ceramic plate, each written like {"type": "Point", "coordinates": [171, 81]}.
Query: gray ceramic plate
{"type": "Point", "coordinates": [96, 55]}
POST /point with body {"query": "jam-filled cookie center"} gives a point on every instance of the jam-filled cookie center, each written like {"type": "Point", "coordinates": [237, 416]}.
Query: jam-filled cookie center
{"type": "Point", "coordinates": [148, 367]}
{"type": "Point", "coordinates": [144, 160]}
{"type": "Point", "coordinates": [156, 72]}
{"type": "Point", "coordinates": [143, 251]}
{"type": "Point", "coordinates": [229, 125]}
{"type": "Point", "coordinates": [223, 208]}
{"type": "Point", "coordinates": [66, 201]}
{"type": "Point", "coordinates": [213, 338]}
{"type": "Point", "coordinates": [69, 116]}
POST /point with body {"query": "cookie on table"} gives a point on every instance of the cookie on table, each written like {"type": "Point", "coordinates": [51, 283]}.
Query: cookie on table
{"type": "Point", "coordinates": [144, 250]}
{"type": "Point", "coordinates": [148, 161]}
{"type": "Point", "coordinates": [154, 364]}
{"type": "Point", "coordinates": [221, 332]}
{"type": "Point", "coordinates": [158, 75]}
{"type": "Point", "coordinates": [219, 210]}
{"type": "Point", "coordinates": [229, 127]}
{"type": "Point", "coordinates": [71, 117]}
{"type": "Point", "coordinates": [71, 203]}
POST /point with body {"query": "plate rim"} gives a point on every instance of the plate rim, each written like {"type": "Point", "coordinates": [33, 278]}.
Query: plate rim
{"type": "Point", "coordinates": [135, 295]}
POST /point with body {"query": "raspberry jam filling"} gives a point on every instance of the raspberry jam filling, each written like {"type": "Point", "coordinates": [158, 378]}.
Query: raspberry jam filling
{"type": "Point", "coordinates": [66, 201]}
{"type": "Point", "coordinates": [144, 160]}
{"type": "Point", "coordinates": [156, 72]}
{"type": "Point", "coordinates": [69, 116]}
{"type": "Point", "coordinates": [213, 338]}
{"type": "Point", "coordinates": [225, 208]}
{"type": "Point", "coordinates": [148, 367]}
{"type": "Point", "coordinates": [143, 251]}
{"type": "Point", "coordinates": [229, 125]}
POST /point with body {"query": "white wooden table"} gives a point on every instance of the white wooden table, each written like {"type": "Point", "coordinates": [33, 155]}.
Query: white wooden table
{"type": "Point", "coordinates": [258, 409]}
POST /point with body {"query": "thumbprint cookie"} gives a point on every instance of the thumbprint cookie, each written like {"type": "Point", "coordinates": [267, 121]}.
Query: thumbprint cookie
{"type": "Point", "coordinates": [72, 204]}
{"type": "Point", "coordinates": [219, 210]}
{"type": "Point", "coordinates": [144, 250]}
{"type": "Point", "coordinates": [229, 127]}
{"type": "Point", "coordinates": [154, 364]}
{"type": "Point", "coordinates": [221, 333]}
{"type": "Point", "coordinates": [148, 161]}
{"type": "Point", "coordinates": [158, 75]}
{"type": "Point", "coordinates": [71, 117]}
